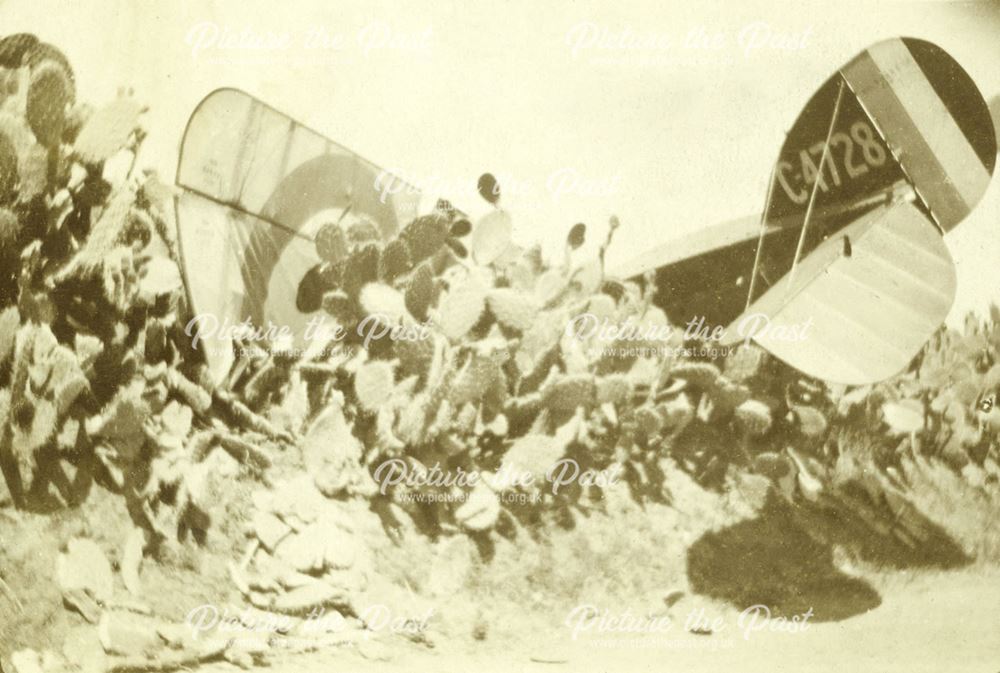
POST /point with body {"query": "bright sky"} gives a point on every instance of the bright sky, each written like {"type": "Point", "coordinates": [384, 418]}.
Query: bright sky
{"type": "Point", "coordinates": [672, 134]}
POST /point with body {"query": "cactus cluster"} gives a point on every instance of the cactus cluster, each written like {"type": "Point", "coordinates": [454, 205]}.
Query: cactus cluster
{"type": "Point", "coordinates": [482, 373]}
{"type": "Point", "coordinates": [499, 381]}
{"type": "Point", "coordinates": [96, 378]}
{"type": "Point", "coordinates": [497, 378]}
{"type": "Point", "coordinates": [945, 405]}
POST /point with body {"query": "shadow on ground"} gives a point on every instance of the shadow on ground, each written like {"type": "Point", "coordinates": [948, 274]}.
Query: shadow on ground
{"type": "Point", "coordinates": [784, 558]}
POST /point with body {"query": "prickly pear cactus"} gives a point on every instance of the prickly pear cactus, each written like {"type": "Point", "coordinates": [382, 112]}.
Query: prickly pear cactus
{"type": "Point", "coordinates": [97, 378]}
{"type": "Point", "coordinates": [460, 353]}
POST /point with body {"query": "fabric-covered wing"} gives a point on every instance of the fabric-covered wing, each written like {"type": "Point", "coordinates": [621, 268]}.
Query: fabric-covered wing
{"type": "Point", "coordinates": [903, 112]}
{"type": "Point", "coordinates": [860, 317]}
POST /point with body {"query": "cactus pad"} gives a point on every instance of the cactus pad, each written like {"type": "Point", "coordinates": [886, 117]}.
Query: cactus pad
{"type": "Point", "coordinates": [753, 418]}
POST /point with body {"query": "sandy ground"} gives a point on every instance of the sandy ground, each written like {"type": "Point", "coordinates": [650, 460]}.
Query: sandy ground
{"type": "Point", "coordinates": [927, 622]}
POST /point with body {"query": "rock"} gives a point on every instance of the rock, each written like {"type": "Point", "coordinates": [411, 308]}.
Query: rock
{"type": "Point", "coordinates": [331, 482]}
{"type": "Point", "coordinates": [322, 621]}
{"type": "Point", "coordinates": [26, 661]}
{"type": "Point", "coordinates": [128, 634]}
{"type": "Point", "coordinates": [30, 661]}
{"type": "Point", "coordinates": [298, 498]}
{"type": "Point", "coordinates": [260, 600]}
{"type": "Point", "coordinates": [84, 566]}
{"type": "Point", "coordinates": [84, 603]}
{"type": "Point", "coordinates": [260, 583]}
{"type": "Point", "coordinates": [132, 559]}
{"type": "Point", "coordinates": [349, 581]}
{"type": "Point", "coordinates": [291, 579]}
{"type": "Point", "coordinates": [671, 598]}
{"type": "Point", "coordinates": [305, 551]}
{"type": "Point", "coordinates": [314, 595]}
{"type": "Point", "coordinates": [238, 577]}
{"type": "Point", "coordinates": [262, 500]}
{"type": "Point", "coordinates": [222, 463]}
{"type": "Point", "coordinates": [318, 546]}
{"type": "Point", "coordinates": [53, 663]}
{"type": "Point", "coordinates": [974, 475]}
{"type": "Point", "coordinates": [374, 650]}
{"type": "Point", "coordinates": [341, 551]}
{"type": "Point", "coordinates": [268, 572]}
{"type": "Point", "coordinates": [239, 658]}
{"type": "Point", "coordinates": [137, 607]}
{"type": "Point", "coordinates": [270, 530]}
{"type": "Point", "coordinates": [336, 516]}
{"type": "Point", "coordinates": [267, 622]}
{"type": "Point", "coordinates": [342, 547]}
{"type": "Point", "coordinates": [252, 641]}
{"type": "Point", "coordinates": [176, 636]}
{"type": "Point", "coordinates": [82, 647]}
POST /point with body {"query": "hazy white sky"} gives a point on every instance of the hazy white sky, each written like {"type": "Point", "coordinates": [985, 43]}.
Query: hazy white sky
{"type": "Point", "coordinates": [675, 131]}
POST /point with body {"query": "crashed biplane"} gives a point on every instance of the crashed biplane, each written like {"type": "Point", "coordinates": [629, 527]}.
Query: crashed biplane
{"type": "Point", "coordinates": [891, 152]}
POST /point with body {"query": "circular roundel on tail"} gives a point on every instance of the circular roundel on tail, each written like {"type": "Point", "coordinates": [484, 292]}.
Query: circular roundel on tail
{"type": "Point", "coordinates": [276, 262]}
{"type": "Point", "coordinates": [255, 187]}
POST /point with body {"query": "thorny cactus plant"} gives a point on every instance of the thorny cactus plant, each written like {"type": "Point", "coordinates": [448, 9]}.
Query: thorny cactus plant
{"type": "Point", "coordinates": [480, 373]}
{"type": "Point", "coordinates": [497, 383]}
{"type": "Point", "coordinates": [945, 405]}
{"type": "Point", "coordinates": [96, 379]}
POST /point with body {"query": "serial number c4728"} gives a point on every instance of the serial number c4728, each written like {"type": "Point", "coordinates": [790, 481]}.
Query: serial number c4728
{"type": "Point", "coordinates": [850, 156]}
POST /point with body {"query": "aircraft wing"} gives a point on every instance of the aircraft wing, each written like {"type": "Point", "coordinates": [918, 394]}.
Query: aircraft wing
{"type": "Point", "coordinates": [860, 317]}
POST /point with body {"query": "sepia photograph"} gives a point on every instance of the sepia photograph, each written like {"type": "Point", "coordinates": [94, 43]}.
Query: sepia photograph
{"type": "Point", "coordinates": [536, 337]}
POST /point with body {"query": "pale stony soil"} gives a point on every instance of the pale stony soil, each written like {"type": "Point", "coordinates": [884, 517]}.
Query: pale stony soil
{"type": "Point", "coordinates": [929, 622]}
{"type": "Point", "coordinates": [509, 612]}
{"type": "Point", "coordinates": [924, 620]}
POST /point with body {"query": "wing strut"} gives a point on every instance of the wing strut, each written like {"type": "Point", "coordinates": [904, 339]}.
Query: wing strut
{"type": "Point", "coordinates": [819, 176]}
{"type": "Point", "coordinates": [760, 239]}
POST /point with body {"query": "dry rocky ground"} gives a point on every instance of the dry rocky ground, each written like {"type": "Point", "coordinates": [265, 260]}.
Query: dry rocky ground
{"type": "Point", "coordinates": [396, 600]}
